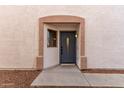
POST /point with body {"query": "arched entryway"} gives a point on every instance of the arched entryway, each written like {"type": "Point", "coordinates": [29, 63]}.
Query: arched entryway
{"type": "Point", "coordinates": [62, 19]}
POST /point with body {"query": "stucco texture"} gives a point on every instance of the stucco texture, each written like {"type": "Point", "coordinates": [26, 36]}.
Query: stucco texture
{"type": "Point", "coordinates": [104, 34]}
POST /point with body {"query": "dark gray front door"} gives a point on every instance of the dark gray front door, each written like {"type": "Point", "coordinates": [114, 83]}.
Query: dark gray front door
{"type": "Point", "coordinates": [67, 47]}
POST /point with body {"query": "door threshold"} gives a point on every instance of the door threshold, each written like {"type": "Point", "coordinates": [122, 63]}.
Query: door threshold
{"type": "Point", "coordinates": [67, 64]}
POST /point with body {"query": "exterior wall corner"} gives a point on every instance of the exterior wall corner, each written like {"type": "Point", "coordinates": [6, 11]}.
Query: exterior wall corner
{"type": "Point", "coordinates": [39, 63]}
{"type": "Point", "coordinates": [83, 63]}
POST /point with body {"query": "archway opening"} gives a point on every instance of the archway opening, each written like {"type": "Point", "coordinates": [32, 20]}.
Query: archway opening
{"type": "Point", "coordinates": [59, 20]}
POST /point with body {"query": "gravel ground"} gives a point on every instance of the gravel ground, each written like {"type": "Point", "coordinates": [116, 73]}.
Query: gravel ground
{"type": "Point", "coordinates": [17, 78]}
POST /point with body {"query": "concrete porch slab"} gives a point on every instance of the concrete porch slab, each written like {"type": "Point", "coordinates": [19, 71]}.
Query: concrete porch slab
{"type": "Point", "coordinates": [61, 76]}
{"type": "Point", "coordinates": [70, 76]}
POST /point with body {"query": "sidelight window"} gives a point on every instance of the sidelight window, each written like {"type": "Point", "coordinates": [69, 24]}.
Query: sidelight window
{"type": "Point", "coordinates": [51, 38]}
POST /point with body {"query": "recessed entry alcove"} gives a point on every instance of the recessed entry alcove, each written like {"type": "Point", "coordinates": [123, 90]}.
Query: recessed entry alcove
{"type": "Point", "coordinates": [61, 41]}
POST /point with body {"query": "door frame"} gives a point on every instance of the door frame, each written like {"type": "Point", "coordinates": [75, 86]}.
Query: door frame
{"type": "Point", "coordinates": [62, 19]}
{"type": "Point", "coordinates": [60, 45]}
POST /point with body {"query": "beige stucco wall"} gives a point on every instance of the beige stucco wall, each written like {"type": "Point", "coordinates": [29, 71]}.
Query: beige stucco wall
{"type": "Point", "coordinates": [51, 54]}
{"type": "Point", "coordinates": [104, 34]}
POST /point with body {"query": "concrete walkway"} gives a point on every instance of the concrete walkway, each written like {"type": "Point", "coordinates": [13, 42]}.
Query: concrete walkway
{"type": "Point", "coordinates": [70, 76]}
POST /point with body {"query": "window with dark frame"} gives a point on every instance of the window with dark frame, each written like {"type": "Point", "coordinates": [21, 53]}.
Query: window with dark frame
{"type": "Point", "coordinates": [51, 38]}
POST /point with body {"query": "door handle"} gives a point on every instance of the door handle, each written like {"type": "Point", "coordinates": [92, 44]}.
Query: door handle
{"type": "Point", "coordinates": [61, 50]}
